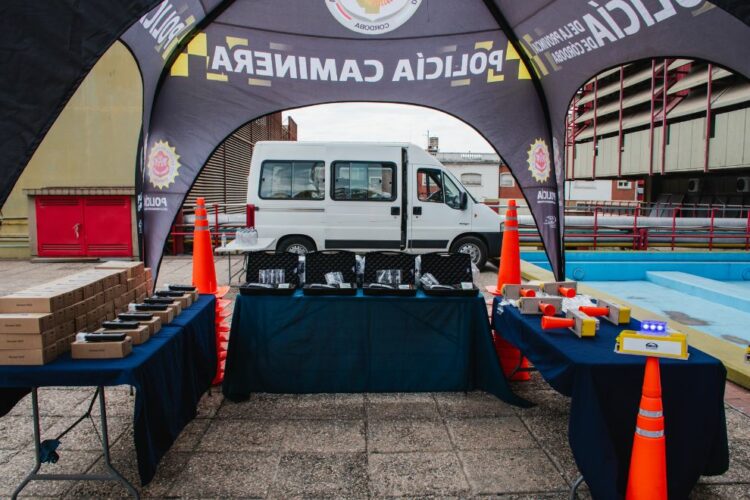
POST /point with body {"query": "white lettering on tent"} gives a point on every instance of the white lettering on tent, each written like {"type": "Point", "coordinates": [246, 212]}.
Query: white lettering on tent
{"type": "Point", "coordinates": [165, 24]}
{"type": "Point", "coordinates": [378, 67]}
{"type": "Point", "coordinates": [220, 60]}
{"type": "Point", "coordinates": [607, 22]}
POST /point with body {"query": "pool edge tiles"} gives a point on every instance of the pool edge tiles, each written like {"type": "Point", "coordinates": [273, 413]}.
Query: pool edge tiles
{"type": "Point", "coordinates": [732, 355]}
{"type": "Point", "coordinates": [704, 288]}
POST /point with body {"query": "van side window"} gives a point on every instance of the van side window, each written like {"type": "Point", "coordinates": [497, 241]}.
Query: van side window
{"type": "Point", "coordinates": [434, 187]}
{"type": "Point", "coordinates": [292, 180]}
{"type": "Point", "coordinates": [364, 181]}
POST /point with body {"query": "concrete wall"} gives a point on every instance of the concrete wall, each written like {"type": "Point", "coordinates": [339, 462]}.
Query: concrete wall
{"type": "Point", "coordinates": [490, 179]}
{"type": "Point", "coordinates": [92, 144]}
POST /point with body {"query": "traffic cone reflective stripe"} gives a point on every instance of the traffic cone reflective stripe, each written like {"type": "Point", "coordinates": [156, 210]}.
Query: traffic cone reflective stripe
{"type": "Point", "coordinates": [647, 478]}
{"type": "Point", "coordinates": [552, 322]}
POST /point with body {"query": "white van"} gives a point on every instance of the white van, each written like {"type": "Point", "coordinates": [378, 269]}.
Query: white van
{"type": "Point", "coordinates": [365, 196]}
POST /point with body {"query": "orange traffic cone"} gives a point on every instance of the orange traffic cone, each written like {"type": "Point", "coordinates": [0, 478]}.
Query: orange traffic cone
{"type": "Point", "coordinates": [647, 478]}
{"type": "Point", "coordinates": [547, 309]}
{"type": "Point", "coordinates": [510, 255]}
{"type": "Point", "coordinates": [594, 311]}
{"type": "Point", "coordinates": [552, 322]}
{"type": "Point", "coordinates": [204, 271]}
{"type": "Point", "coordinates": [527, 292]}
{"type": "Point", "coordinates": [567, 292]}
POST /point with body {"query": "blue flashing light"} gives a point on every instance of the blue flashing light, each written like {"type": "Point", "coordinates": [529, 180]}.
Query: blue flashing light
{"type": "Point", "coordinates": [653, 326]}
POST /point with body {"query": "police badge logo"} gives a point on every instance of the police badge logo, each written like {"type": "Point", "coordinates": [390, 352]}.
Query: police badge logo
{"type": "Point", "coordinates": [163, 163]}
{"type": "Point", "coordinates": [372, 17]}
{"type": "Point", "coordinates": [539, 164]}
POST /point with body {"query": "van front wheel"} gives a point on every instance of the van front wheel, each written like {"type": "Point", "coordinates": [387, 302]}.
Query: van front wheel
{"type": "Point", "coordinates": [296, 244]}
{"type": "Point", "coordinates": [473, 246]}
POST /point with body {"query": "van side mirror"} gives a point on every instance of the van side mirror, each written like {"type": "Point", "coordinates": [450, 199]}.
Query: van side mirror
{"type": "Point", "coordinates": [464, 200]}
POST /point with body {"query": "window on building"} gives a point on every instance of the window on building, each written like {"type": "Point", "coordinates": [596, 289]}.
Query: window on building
{"type": "Point", "coordinates": [624, 185]}
{"type": "Point", "coordinates": [292, 180]}
{"type": "Point", "coordinates": [364, 181]}
{"type": "Point", "coordinates": [507, 180]}
{"type": "Point", "coordinates": [471, 179]}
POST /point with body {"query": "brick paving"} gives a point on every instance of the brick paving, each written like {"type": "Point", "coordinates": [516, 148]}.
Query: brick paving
{"type": "Point", "coordinates": [329, 445]}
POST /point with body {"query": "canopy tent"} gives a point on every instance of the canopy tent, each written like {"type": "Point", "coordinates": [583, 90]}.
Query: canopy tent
{"type": "Point", "coordinates": [507, 68]}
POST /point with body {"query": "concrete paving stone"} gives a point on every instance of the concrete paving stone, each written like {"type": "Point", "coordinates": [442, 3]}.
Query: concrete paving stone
{"type": "Point", "coordinates": [118, 399]}
{"type": "Point", "coordinates": [258, 406]}
{"type": "Point", "coordinates": [548, 402]}
{"type": "Point", "coordinates": [535, 496]}
{"type": "Point", "coordinates": [86, 435]}
{"type": "Point", "coordinates": [738, 425]}
{"type": "Point", "coordinates": [414, 474]}
{"type": "Point", "coordinates": [242, 435]}
{"type": "Point", "coordinates": [209, 404]}
{"type": "Point", "coordinates": [53, 401]}
{"type": "Point", "coordinates": [551, 432]}
{"type": "Point", "coordinates": [322, 406]}
{"type": "Point", "coordinates": [511, 471]}
{"type": "Point", "coordinates": [191, 435]}
{"type": "Point", "coordinates": [419, 406]}
{"type": "Point", "coordinates": [737, 473]}
{"type": "Point", "coordinates": [324, 436]}
{"type": "Point", "coordinates": [472, 404]}
{"type": "Point", "coordinates": [495, 433]}
{"type": "Point", "coordinates": [72, 462]}
{"type": "Point", "coordinates": [328, 475]}
{"type": "Point", "coordinates": [389, 436]}
{"type": "Point", "coordinates": [739, 449]}
{"type": "Point", "coordinates": [720, 492]}
{"type": "Point", "coordinates": [222, 475]}
{"type": "Point", "coordinates": [17, 431]}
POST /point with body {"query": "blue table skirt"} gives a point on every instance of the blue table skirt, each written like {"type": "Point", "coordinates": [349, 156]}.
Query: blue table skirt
{"type": "Point", "coordinates": [313, 344]}
{"type": "Point", "coordinates": [605, 388]}
{"type": "Point", "coordinates": [170, 373]}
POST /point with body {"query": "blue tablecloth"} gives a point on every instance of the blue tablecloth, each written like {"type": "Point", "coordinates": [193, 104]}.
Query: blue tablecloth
{"type": "Point", "coordinates": [310, 344]}
{"type": "Point", "coordinates": [605, 388]}
{"type": "Point", "coordinates": [170, 372]}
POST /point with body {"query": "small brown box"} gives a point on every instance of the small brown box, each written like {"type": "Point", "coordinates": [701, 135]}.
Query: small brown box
{"type": "Point", "coordinates": [25, 341]}
{"type": "Point", "coordinates": [139, 335]}
{"type": "Point", "coordinates": [132, 268]}
{"type": "Point", "coordinates": [99, 299]}
{"type": "Point", "coordinates": [101, 350]}
{"type": "Point", "coordinates": [43, 301]}
{"type": "Point", "coordinates": [26, 322]}
{"type": "Point", "coordinates": [81, 322]}
{"type": "Point", "coordinates": [28, 356]}
{"type": "Point", "coordinates": [63, 345]}
{"type": "Point", "coordinates": [69, 313]}
{"type": "Point", "coordinates": [154, 325]}
{"type": "Point", "coordinates": [166, 317]}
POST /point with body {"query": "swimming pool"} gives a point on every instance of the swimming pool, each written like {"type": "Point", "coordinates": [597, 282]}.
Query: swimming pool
{"type": "Point", "coordinates": [709, 291]}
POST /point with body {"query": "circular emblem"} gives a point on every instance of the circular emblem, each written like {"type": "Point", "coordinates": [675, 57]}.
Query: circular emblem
{"type": "Point", "coordinates": [539, 161]}
{"type": "Point", "coordinates": [163, 163]}
{"type": "Point", "coordinates": [372, 17]}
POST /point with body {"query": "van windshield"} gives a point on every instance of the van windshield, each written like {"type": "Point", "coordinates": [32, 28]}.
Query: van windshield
{"type": "Point", "coordinates": [451, 176]}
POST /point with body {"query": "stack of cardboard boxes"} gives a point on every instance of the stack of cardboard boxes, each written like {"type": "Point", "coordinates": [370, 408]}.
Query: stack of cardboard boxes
{"type": "Point", "coordinates": [38, 324]}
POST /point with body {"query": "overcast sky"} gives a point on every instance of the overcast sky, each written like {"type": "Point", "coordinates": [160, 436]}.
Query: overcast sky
{"type": "Point", "coordinates": [385, 122]}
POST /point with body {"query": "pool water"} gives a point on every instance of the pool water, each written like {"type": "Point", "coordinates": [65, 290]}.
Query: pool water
{"type": "Point", "coordinates": [709, 291]}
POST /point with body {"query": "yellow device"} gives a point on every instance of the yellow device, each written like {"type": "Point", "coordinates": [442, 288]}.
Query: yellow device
{"type": "Point", "coordinates": [668, 345]}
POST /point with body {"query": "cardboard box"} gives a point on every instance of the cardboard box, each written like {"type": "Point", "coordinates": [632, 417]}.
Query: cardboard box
{"type": "Point", "coordinates": [98, 299]}
{"type": "Point", "coordinates": [132, 268]}
{"type": "Point", "coordinates": [40, 302]}
{"type": "Point", "coordinates": [101, 350]}
{"type": "Point", "coordinates": [69, 328]}
{"type": "Point", "coordinates": [166, 317]}
{"type": "Point", "coordinates": [28, 356]}
{"type": "Point", "coordinates": [154, 325]}
{"type": "Point", "coordinates": [26, 322]}
{"type": "Point", "coordinates": [138, 335]}
{"type": "Point", "coordinates": [81, 322]}
{"type": "Point", "coordinates": [63, 345]}
{"type": "Point", "coordinates": [25, 341]}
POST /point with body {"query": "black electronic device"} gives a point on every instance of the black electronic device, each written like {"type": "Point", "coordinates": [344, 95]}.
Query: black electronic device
{"type": "Point", "coordinates": [182, 288]}
{"type": "Point", "coordinates": [105, 337]}
{"type": "Point", "coordinates": [151, 307]}
{"type": "Point", "coordinates": [120, 325]}
{"type": "Point", "coordinates": [135, 316]}
{"type": "Point", "coordinates": [158, 300]}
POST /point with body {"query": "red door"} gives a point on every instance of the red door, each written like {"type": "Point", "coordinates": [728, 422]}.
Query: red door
{"type": "Point", "coordinates": [79, 226]}
{"type": "Point", "coordinates": [59, 226]}
{"type": "Point", "coordinates": [108, 229]}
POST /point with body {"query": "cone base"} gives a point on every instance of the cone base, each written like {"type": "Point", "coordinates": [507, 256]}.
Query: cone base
{"type": "Point", "coordinates": [493, 290]}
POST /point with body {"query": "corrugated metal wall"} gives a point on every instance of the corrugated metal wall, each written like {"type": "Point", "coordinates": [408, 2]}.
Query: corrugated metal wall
{"type": "Point", "coordinates": [223, 179]}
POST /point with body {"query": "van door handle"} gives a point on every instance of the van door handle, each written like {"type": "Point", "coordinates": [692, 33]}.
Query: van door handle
{"type": "Point", "coordinates": [395, 210]}
{"type": "Point", "coordinates": [416, 210]}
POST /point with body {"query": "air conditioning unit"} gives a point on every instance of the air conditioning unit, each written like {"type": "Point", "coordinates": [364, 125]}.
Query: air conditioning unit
{"type": "Point", "coordinates": [743, 184]}
{"type": "Point", "coordinates": [694, 185]}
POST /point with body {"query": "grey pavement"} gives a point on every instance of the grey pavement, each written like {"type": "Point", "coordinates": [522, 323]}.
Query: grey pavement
{"type": "Point", "coordinates": [324, 445]}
